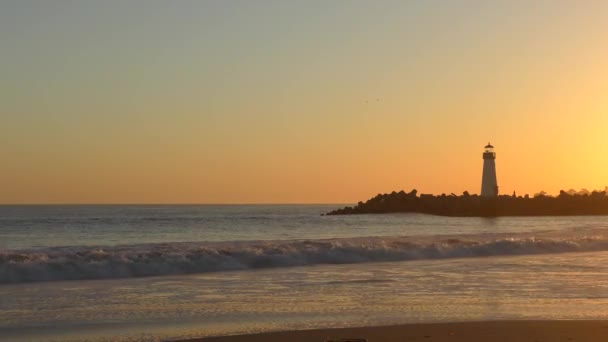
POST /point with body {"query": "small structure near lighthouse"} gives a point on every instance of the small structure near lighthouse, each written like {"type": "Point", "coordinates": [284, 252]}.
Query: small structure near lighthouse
{"type": "Point", "coordinates": [489, 185]}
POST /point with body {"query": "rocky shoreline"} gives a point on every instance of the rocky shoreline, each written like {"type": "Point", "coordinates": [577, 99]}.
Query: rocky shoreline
{"type": "Point", "coordinates": [467, 205]}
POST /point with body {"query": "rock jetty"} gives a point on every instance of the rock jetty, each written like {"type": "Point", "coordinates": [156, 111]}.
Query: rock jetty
{"type": "Point", "coordinates": [466, 205]}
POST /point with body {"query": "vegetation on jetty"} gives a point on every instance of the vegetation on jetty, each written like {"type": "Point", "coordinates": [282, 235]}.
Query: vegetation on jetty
{"type": "Point", "coordinates": [566, 203]}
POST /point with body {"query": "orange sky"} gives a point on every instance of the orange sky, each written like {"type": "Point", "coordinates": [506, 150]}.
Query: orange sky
{"type": "Point", "coordinates": [206, 102]}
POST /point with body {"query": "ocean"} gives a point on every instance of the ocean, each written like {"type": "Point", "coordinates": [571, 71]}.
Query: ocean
{"type": "Point", "coordinates": [154, 272]}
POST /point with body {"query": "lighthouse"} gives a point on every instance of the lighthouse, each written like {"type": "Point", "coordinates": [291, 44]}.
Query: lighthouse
{"type": "Point", "coordinates": [489, 185]}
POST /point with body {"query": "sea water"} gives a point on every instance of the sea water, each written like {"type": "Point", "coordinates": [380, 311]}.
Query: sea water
{"type": "Point", "coordinates": [150, 273]}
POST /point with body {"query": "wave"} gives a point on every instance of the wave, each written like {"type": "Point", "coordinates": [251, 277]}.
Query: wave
{"type": "Point", "coordinates": [99, 262]}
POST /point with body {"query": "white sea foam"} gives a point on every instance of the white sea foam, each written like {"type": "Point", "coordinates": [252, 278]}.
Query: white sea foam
{"type": "Point", "coordinates": [98, 262]}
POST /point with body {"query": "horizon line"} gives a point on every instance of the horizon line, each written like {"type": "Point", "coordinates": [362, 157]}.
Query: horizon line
{"type": "Point", "coordinates": [176, 204]}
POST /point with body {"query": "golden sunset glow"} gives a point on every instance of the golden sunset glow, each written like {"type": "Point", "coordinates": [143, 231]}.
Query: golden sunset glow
{"type": "Point", "coordinates": [326, 102]}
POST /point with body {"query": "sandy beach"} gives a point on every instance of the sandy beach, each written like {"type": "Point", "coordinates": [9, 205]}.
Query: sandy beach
{"type": "Point", "coordinates": [494, 331]}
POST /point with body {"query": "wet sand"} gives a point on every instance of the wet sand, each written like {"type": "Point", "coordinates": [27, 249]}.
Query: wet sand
{"type": "Point", "coordinates": [493, 331]}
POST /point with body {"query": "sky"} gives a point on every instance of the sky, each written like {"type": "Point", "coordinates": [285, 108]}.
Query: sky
{"type": "Point", "coordinates": [298, 101]}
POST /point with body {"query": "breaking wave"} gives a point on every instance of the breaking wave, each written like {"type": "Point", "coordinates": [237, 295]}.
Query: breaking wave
{"type": "Point", "coordinates": [98, 262]}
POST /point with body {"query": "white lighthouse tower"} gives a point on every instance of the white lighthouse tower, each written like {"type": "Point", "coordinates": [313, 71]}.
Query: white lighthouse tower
{"type": "Point", "coordinates": [489, 185]}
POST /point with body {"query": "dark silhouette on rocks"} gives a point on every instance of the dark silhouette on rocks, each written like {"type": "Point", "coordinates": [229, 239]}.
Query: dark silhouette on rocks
{"type": "Point", "coordinates": [566, 203]}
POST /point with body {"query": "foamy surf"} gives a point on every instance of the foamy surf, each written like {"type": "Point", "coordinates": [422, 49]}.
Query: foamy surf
{"type": "Point", "coordinates": [99, 262]}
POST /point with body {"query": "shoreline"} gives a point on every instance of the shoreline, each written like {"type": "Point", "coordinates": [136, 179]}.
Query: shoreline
{"type": "Point", "coordinates": [495, 331]}
{"type": "Point", "coordinates": [460, 216]}
{"type": "Point", "coordinates": [467, 205]}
